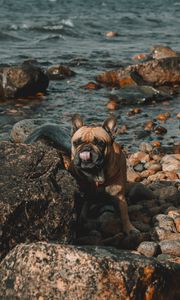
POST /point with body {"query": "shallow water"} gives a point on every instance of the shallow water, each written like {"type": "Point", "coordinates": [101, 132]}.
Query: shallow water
{"type": "Point", "coordinates": [73, 33]}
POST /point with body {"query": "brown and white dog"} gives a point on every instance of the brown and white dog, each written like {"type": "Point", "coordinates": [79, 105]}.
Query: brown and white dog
{"type": "Point", "coordinates": [98, 161]}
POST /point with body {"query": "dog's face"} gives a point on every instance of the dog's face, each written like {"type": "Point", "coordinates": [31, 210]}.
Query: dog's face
{"type": "Point", "coordinates": [90, 146]}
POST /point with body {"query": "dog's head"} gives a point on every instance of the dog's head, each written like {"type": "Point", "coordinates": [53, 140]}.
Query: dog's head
{"type": "Point", "coordinates": [90, 146]}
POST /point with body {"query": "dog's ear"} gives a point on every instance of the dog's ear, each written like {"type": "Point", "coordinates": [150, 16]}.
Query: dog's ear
{"type": "Point", "coordinates": [110, 125]}
{"type": "Point", "coordinates": [77, 123]}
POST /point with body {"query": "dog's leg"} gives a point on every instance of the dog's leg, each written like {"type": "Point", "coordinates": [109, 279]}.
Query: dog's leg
{"type": "Point", "coordinates": [117, 191]}
{"type": "Point", "coordinates": [127, 225]}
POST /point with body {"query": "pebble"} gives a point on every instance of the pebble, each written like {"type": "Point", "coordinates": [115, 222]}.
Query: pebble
{"type": "Point", "coordinates": [171, 247]}
{"type": "Point", "coordinates": [137, 158]}
{"type": "Point", "coordinates": [147, 173]}
{"type": "Point", "coordinates": [112, 105]}
{"type": "Point", "coordinates": [145, 147]}
{"type": "Point", "coordinates": [163, 117]}
{"type": "Point", "coordinates": [112, 34]}
{"type": "Point", "coordinates": [160, 130]}
{"type": "Point", "coordinates": [139, 167]}
{"type": "Point", "coordinates": [59, 72]}
{"type": "Point", "coordinates": [149, 125]}
{"type": "Point", "coordinates": [156, 144]}
{"type": "Point", "coordinates": [148, 249]}
{"type": "Point", "coordinates": [139, 56]}
{"type": "Point", "coordinates": [134, 111]}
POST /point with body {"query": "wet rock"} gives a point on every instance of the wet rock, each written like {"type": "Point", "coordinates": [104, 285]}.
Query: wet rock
{"type": "Point", "coordinates": [111, 34]}
{"type": "Point", "coordinates": [163, 117]}
{"type": "Point", "coordinates": [112, 105]}
{"type": "Point", "coordinates": [160, 130]}
{"type": "Point", "coordinates": [37, 196]}
{"type": "Point", "coordinates": [134, 111]}
{"type": "Point", "coordinates": [155, 72]}
{"type": "Point", "coordinates": [149, 125]}
{"type": "Point", "coordinates": [22, 81]}
{"type": "Point", "coordinates": [160, 51]}
{"type": "Point", "coordinates": [40, 271]}
{"type": "Point", "coordinates": [170, 247]}
{"type": "Point", "coordinates": [171, 162]}
{"type": "Point", "coordinates": [148, 248]}
{"type": "Point", "coordinates": [59, 72]}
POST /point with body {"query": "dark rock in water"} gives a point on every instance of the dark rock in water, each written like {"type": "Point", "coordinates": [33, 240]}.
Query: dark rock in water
{"type": "Point", "coordinates": [51, 271]}
{"type": "Point", "coordinates": [37, 196]}
{"type": "Point", "coordinates": [59, 72]}
{"type": "Point", "coordinates": [154, 72]}
{"type": "Point", "coordinates": [22, 81]}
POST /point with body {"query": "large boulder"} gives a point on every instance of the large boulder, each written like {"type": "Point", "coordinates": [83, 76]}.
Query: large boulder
{"type": "Point", "coordinates": [51, 271]}
{"type": "Point", "coordinates": [37, 196]}
{"type": "Point", "coordinates": [160, 72]}
{"type": "Point", "coordinates": [22, 81]}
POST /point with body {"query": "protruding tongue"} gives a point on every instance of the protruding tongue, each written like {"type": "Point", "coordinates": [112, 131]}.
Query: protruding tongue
{"type": "Point", "coordinates": [85, 155]}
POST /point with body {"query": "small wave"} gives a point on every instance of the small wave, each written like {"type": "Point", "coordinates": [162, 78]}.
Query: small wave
{"type": "Point", "coordinates": [6, 37]}
{"type": "Point", "coordinates": [68, 22]}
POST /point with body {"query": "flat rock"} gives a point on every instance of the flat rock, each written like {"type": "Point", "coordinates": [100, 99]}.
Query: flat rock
{"type": "Point", "coordinates": [52, 271]}
{"type": "Point", "coordinates": [160, 72]}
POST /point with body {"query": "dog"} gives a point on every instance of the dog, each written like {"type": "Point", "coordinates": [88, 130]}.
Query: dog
{"type": "Point", "coordinates": [98, 161]}
{"type": "Point", "coordinates": [93, 158]}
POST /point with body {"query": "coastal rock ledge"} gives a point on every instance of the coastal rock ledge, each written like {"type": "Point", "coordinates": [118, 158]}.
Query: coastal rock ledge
{"type": "Point", "coordinates": [51, 271]}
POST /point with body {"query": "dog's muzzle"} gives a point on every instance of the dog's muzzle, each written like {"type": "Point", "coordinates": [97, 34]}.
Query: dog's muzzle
{"type": "Point", "coordinates": [88, 158]}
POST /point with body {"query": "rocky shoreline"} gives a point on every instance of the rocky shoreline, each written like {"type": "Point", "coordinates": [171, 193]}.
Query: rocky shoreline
{"type": "Point", "coordinates": [44, 251]}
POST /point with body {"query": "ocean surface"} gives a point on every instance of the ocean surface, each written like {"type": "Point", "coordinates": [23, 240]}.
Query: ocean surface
{"type": "Point", "coordinates": [73, 33]}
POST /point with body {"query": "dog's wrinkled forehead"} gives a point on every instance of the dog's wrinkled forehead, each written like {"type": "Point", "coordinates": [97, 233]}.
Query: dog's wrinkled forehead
{"type": "Point", "coordinates": [89, 134]}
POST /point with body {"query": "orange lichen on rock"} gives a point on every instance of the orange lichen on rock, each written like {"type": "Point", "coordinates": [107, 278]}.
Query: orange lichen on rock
{"type": "Point", "coordinates": [91, 86]}
{"type": "Point", "coordinates": [126, 81]}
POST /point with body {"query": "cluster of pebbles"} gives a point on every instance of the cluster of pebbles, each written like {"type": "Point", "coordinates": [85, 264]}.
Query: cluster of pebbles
{"type": "Point", "coordinates": [153, 195]}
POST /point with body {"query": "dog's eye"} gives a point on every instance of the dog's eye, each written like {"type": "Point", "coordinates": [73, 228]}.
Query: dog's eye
{"type": "Point", "coordinates": [100, 143]}
{"type": "Point", "coordinates": [77, 143]}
